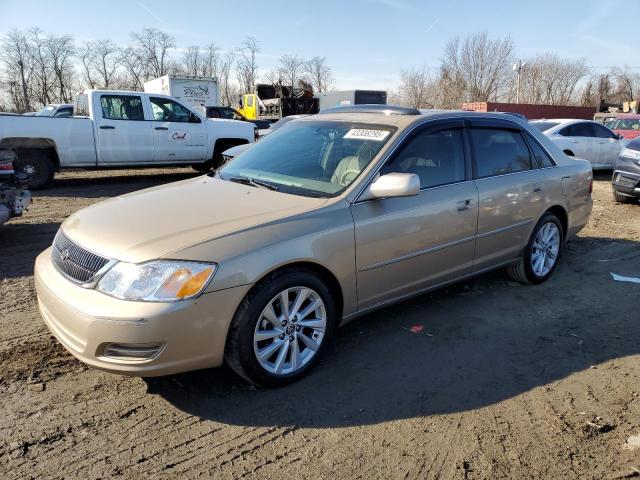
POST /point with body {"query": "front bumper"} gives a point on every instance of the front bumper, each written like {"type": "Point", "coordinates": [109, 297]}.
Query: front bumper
{"type": "Point", "coordinates": [190, 334]}
{"type": "Point", "coordinates": [626, 177]}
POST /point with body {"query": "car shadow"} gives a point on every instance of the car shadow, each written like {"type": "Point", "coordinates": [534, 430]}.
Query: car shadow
{"type": "Point", "coordinates": [110, 183]}
{"type": "Point", "coordinates": [484, 340]}
{"type": "Point", "coordinates": [20, 244]}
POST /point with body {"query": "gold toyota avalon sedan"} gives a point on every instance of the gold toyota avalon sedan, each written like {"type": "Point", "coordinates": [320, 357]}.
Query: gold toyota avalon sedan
{"type": "Point", "coordinates": [328, 218]}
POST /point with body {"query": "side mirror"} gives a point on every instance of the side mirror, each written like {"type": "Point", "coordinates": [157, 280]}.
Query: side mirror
{"type": "Point", "coordinates": [619, 137]}
{"type": "Point", "coordinates": [394, 185]}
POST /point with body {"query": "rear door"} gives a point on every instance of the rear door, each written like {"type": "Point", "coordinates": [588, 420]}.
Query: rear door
{"type": "Point", "coordinates": [511, 190]}
{"type": "Point", "coordinates": [404, 245]}
{"type": "Point", "coordinates": [608, 144]}
{"type": "Point", "coordinates": [123, 135]}
{"type": "Point", "coordinates": [178, 134]}
{"type": "Point", "coordinates": [580, 139]}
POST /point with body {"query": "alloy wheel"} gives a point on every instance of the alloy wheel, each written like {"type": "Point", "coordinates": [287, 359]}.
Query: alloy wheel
{"type": "Point", "coordinates": [546, 247]}
{"type": "Point", "coordinates": [290, 330]}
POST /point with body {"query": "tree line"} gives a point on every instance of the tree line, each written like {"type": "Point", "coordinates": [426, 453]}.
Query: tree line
{"type": "Point", "coordinates": [38, 68]}
{"type": "Point", "coordinates": [480, 69]}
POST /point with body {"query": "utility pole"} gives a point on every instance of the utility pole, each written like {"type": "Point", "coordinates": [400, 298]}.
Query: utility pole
{"type": "Point", "coordinates": [517, 67]}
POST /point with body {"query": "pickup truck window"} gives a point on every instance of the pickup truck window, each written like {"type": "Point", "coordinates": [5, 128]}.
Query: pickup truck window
{"type": "Point", "coordinates": [166, 110]}
{"type": "Point", "coordinates": [121, 107]}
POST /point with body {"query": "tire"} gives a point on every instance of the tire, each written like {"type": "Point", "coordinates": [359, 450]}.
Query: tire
{"type": "Point", "coordinates": [528, 272]}
{"type": "Point", "coordinates": [38, 165]}
{"type": "Point", "coordinates": [250, 325]}
{"type": "Point", "coordinates": [621, 198]}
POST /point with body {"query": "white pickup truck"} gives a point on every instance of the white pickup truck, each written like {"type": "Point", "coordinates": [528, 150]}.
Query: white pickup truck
{"type": "Point", "coordinates": [118, 129]}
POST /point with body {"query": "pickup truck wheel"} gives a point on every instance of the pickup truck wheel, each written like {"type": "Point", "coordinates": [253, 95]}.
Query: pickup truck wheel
{"type": "Point", "coordinates": [38, 166]}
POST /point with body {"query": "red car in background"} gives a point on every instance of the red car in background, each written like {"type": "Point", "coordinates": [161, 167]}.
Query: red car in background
{"type": "Point", "coordinates": [627, 125]}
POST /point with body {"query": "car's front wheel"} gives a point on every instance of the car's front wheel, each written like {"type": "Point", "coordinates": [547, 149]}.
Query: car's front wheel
{"type": "Point", "coordinates": [281, 328]}
{"type": "Point", "coordinates": [541, 253]}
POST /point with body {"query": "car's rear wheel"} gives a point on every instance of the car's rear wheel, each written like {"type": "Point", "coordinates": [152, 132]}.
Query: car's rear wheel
{"type": "Point", "coordinates": [541, 253]}
{"type": "Point", "coordinates": [281, 328]}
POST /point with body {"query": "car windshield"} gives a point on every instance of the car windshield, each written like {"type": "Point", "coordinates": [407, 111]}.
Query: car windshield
{"type": "Point", "coordinates": [625, 124]}
{"type": "Point", "coordinates": [46, 111]}
{"type": "Point", "coordinates": [544, 126]}
{"type": "Point", "coordinates": [316, 159]}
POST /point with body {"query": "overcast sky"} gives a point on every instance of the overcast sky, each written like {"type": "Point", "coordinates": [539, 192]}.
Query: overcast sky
{"type": "Point", "coordinates": [367, 42]}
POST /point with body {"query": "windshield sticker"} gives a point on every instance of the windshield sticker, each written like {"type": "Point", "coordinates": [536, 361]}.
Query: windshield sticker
{"type": "Point", "coordinates": [367, 134]}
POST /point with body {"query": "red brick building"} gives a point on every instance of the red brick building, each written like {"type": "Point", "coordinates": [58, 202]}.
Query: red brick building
{"type": "Point", "coordinates": [533, 112]}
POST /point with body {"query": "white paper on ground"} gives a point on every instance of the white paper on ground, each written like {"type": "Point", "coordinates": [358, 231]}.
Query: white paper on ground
{"type": "Point", "coordinates": [620, 278]}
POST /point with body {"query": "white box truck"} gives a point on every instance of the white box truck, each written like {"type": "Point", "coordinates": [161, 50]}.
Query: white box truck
{"type": "Point", "coordinates": [193, 91]}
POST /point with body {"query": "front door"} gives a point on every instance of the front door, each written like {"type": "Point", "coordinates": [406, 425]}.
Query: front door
{"type": "Point", "coordinates": [608, 144]}
{"type": "Point", "coordinates": [510, 188]}
{"type": "Point", "coordinates": [178, 134]}
{"type": "Point", "coordinates": [404, 245]}
{"type": "Point", "coordinates": [123, 135]}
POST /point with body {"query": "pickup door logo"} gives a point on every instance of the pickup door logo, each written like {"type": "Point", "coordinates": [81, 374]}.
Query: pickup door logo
{"type": "Point", "coordinates": [179, 136]}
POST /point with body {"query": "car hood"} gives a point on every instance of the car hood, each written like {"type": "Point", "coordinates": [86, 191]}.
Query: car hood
{"type": "Point", "coordinates": [159, 221]}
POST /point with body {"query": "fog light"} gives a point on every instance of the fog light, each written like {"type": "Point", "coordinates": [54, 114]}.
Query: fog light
{"type": "Point", "coordinates": [131, 351]}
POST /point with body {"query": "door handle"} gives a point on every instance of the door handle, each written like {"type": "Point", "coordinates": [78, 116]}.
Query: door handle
{"type": "Point", "coordinates": [463, 205]}
{"type": "Point", "coordinates": [162, 128]}
{"type": "Point", "coordinates": [107, 127]}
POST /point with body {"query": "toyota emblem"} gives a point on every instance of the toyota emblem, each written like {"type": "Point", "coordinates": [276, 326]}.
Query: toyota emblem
{"type": "Point", "coordinates": [64, 255]}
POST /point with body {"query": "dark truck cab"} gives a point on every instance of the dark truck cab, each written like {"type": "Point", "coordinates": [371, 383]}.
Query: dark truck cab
{"type": "Point", "coordinates": [231, 113]}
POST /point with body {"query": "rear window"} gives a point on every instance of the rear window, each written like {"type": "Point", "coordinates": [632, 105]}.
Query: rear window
{"type": "Point", "coordinates": [578, 130]}
{"type": "Point", "coordinates": [544, 126]}
{"type": "Point", "coordinates": [499, 152]}
{"type": "Point", "coordinates": [121, 107]}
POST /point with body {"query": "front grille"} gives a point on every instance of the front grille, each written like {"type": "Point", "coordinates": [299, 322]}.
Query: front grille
{"type": "Point", "coordinates": [623, 181]}
{"type": "Point", "coordinates": [75, 262]}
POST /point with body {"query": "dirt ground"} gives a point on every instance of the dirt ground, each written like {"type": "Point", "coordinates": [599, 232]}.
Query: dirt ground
{"type": "Point", "coordinates": [515, 382]}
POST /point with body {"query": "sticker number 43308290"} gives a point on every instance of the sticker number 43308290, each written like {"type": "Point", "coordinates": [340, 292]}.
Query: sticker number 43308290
{"type": "Point", "coordinates": [367, 134]}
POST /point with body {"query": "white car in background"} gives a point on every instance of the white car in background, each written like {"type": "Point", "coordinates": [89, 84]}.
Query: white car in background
{"type": "Point", "coordinates": [584, 139]}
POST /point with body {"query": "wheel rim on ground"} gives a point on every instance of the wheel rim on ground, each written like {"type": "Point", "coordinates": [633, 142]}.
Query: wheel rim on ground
{"type": "Point", "coordinates": [546, 247]}
{"type": "Point", "coordinates": [290, 330]}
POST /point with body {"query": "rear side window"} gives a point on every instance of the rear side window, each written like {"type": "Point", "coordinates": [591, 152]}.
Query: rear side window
{"type": "Point", "coordinates": [498, 152]}
{"type": "Point", "coordinates": [121, 107]}
{"type": "Point", "coordinates": [601, 131]}
{"type": "Point", "coordinates": [64, 112]}
{"type": "Point", "coordinates": [542, 158]}
{"type": "Point", "coordinates": [577, 130]}
{"type": "Point", "coordinates": [436, 157]}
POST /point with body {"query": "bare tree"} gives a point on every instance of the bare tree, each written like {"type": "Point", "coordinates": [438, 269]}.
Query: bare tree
{"type": "Point", "coordinates": [42, 73]}
{"type": "Point", "coordinates": [151, 47]}
{"type": "Point", "coordinates": [551, 80]}
{"type": "Point", "coordinates": [85, 55]}
{"type": "Point", "coordinates": [319, 74]}
{"type": "Point", "coordinates": [136, 72]}
{"type": "Point", "coordinates": [478, 65]}
{"type": "Point", "coordinates": [18, 69]}
{"type": "Point", "coordinates": [191, 62]}
{"type": "Point", "coordinates": [60, 51]}
{"type": "Point", "coordinates": [105, 59]}
{"type": "Point", "coordinates": [229, 92]}
{"type": "Point", "coordinates": [210, 63]}
{"type": "Point", "coordinates": [417, 89]}
{"type": "Point", "coordinates": [626, 84]}
{"type": "Point", "coordinates": [247, 65]}
{"type": "Point", "coordinates": [291, 69]}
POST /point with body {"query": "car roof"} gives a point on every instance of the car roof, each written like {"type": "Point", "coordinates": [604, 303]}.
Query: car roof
{"type": "Point", "coordinates": [402, 121]}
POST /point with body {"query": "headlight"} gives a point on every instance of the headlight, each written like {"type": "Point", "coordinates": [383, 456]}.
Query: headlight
{"type": "Point", "coordinates": [632, 154]}
{"type": "Point", "coordinates": [156, 281]}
